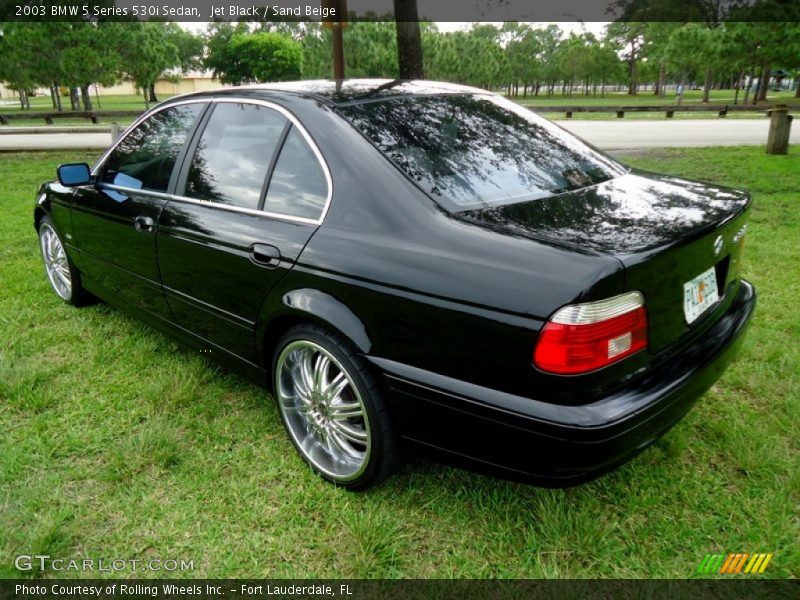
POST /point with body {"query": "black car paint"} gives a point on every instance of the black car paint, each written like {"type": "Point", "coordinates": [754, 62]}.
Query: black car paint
{"type": "Point", "coordinates": [440, 303]}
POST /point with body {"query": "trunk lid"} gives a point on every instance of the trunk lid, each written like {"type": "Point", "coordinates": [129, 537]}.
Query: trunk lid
{"type": "Point", "coordinates": [664, 230]}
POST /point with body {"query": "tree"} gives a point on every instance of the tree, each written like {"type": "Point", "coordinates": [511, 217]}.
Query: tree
{"type": "Point", "coordinates": [219, 57]}
{"type": "Point", "coordinates": [656, 37]}
{"type": "Point", "coordinates": [260, 56]}
{"type": "Point", "coordinates": [85, 59]}
{"type": "Point", "coordinates": [370, 50]}
{"type": "Point", "coordinates": [146, 53]}
{"type": "Point", "coordinates": [190, 47]}
{"type": "Point", "coordinates": [628, 38]}
{"type": "Point", "coordinates": [549, 39]}
{"type": "Point", "coordinates": [520, 48]}
{"type": "Point", "coordinates": [606, 66]}
{"type": "Point", "coordinates": [16, 63]}
{"type": "Point", "coordinates": [694, 48]}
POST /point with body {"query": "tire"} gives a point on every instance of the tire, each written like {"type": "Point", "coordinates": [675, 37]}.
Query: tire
{"type": "Point", "coordinates": [332, 409]}
{"type": "Point", "coordinates": [64, 278]}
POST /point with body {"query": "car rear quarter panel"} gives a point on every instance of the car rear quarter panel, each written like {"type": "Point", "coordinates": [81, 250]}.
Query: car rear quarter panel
{"type": "Point", "coordinates": [431, 290]}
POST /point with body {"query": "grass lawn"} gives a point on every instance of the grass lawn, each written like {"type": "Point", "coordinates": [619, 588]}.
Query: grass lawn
{"type": "Point", "coordinates": [110, 102]}
{"type": "Point", "coordinates": [646, 98]}
{"type": "Point", "coordinates": [118, 443]}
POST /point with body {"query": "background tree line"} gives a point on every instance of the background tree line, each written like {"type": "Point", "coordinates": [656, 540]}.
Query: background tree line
{"type": "Point", "coordinates": [522, 59]}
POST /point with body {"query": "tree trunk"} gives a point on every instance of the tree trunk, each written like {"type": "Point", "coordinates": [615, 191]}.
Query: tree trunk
{"type": "Point", "coordinates": [57, 93]}
{"type": "Point", "coordinates": [737, 85]}
{"type": "Point", "coordinates": [151, 90]}
{"type": "Point", "coordinates": [662, 79]}
{"type": "Point", "coordinates": [54, 95]}
{"type": "Point", "coordinates": [74, 102]}
{"type": "Point", "coordinates": [707, 86]}
{"type": "Point", "coordinates": [87, 97]}
{"type": "Point", "coordinates": [763, 83]}
{"type": "Point", "coordinates": [632, 85]}
{"type": "Point", "coordinates": [409, 41]}
{"type": "Point", "coordinates": [797, 87]}
{"type": "Point", "coordinates": [23, 97]}
{"type": "Point", "coordinates": [748, 85]}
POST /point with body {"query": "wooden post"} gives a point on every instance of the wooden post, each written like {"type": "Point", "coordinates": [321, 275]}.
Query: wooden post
{"type": "Point", "coordinates": [620, 114]}
{"type": "Point", "coordinates": [780, 125]}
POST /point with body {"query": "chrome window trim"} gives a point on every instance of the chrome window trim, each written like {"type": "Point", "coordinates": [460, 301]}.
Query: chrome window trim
{"type": "Point", "coordinates": [250, 211]}
{"type": "Point", "coordinates": [157, 109]}
{"type": "Point", "coordinates": [208, 203]}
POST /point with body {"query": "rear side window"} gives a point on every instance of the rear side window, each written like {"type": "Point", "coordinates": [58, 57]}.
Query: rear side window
{"type": "Point", "coordinates": [298, 186]}
{"type": "Point", "coordinates": [476, 151]}
{"type": "Point", "coordinates": [233, 155]}
{"type": "Point", "coordinates": [145, 158]}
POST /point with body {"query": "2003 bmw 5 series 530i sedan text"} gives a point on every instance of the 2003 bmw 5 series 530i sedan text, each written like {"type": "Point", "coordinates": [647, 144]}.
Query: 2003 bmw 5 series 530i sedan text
{"type": "Point", "coordinates": [415, 264]}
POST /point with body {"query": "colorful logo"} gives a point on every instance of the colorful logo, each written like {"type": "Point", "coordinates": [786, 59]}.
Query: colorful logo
{"type": "Point", "coordinates": [731, 564]}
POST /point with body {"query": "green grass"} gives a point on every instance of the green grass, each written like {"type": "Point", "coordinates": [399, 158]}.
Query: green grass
{"type": "Point", "coordinates": [118, 443]}
{"type": "Point", "coordinates": [645, 98]}
{"type": "Point", "coordinates": [110, 102]}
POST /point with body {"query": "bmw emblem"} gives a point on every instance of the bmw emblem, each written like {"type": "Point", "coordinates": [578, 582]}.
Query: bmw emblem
{"type": "Point", "coordinates": [718, 245]}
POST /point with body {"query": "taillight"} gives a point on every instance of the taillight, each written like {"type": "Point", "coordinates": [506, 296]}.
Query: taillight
{"type": "Point", "coordinates": [585, 337]}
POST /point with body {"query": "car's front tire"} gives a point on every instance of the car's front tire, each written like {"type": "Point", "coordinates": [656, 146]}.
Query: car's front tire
{"type": "Point", "coordinates": [64, 278]}
{"type": "Point", "coordinates": [332, 409]}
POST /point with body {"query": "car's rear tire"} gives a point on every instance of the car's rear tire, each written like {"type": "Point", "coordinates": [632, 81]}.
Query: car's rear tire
{"type": "Point", "coordinates": [64, 278]}
{"type": "Point", "coordinates": [332, 408]}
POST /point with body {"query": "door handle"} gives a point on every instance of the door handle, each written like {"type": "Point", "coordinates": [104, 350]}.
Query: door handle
{"type": "Point", "coordinates": [265, 255]}
{"type": "Point", "coordinates": [143, 223]}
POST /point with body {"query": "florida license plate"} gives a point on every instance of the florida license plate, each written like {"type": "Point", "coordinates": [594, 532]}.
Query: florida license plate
{"type": "Point", "coordinates": [699, 294]}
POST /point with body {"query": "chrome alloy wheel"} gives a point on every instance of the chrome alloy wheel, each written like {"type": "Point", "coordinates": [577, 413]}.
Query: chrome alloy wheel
{"type": "Point", "coordinates": [323, 410]}
{"type": "Point", "coordinates": [55, 261]}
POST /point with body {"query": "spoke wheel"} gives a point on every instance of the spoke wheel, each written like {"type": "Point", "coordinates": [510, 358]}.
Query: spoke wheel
{"type": "Point", "coordinates": [323, 410]}
{"type": "Point", "coordinates": [55, 262]}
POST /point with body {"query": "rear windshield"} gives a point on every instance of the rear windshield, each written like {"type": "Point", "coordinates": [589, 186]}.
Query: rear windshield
{"type": "Point", "coordinates": [478, 151]}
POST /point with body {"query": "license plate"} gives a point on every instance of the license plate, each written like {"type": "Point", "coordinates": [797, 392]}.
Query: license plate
{"type": "Point", "coordinates": [699, 294]}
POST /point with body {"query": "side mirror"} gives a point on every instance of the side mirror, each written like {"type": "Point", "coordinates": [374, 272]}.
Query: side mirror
{"type": "Point", "coordinates": [74, 174]}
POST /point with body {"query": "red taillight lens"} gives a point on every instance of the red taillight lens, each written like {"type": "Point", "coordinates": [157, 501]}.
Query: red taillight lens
{"type": "Point", "coordinates": [586, 337]}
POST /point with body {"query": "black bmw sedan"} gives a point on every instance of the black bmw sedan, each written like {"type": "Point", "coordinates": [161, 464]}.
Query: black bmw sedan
{"type": "Point", "coordinates": [412, 264]}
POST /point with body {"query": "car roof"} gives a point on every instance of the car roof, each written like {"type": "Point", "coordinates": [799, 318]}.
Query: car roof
{"type": "Point", "coordinates": [345, 91]}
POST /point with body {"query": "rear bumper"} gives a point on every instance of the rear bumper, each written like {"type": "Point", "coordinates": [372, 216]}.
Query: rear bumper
{"type": "Point", "coordinates": [555, 445]}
